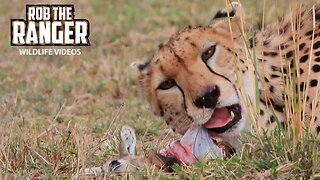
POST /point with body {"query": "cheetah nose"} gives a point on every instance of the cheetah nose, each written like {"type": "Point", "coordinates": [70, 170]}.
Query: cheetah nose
{"type": "Point", "coordinates": [113, 164]}
{"type": "Point", "coordinates": [209, 99]}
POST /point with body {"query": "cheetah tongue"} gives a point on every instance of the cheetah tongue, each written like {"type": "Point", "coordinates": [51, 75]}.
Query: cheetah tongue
{"type": "Point", "coordinates": [219, 118]}
{"type": "Point", "coordinates": [195, 145]}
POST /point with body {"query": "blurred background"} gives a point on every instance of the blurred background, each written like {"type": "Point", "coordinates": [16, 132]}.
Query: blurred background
{"type": "Point", "coordinates": [60, 113]}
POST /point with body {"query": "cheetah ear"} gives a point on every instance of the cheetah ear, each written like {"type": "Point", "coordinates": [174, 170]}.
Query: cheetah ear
{"type": "Point", "coordinates": [233, 10]}
{"type": "Point", "coordinates": [233, 13]}
{"type": "Point", "coordinates": [140, 67]}
{"type": "Point", "coordinates": [127, 142]}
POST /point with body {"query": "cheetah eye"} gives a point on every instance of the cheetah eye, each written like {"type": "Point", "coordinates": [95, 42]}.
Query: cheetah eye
{"type": "Point", "coordinates": [208, 53]}
{"type": "Point", "coordinates": [167, 84]}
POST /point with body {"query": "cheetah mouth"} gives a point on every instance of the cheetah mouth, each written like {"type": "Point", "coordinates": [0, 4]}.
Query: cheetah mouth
{"type": "Point", "coordinates": [222, 119]}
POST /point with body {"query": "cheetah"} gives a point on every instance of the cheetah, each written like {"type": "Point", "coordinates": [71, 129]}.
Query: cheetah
{"type": "Point", "coordinates": [218, 78]}
{"type": "Point", "coordinates": [207, 75]}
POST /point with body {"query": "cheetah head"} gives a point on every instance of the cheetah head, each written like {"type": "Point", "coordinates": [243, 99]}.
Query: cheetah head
{"type": "Point", "coordinates": [191, 79]}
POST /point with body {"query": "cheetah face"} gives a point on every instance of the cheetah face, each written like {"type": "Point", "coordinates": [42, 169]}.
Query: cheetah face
{"type": "Point", "coordinates": [191, 80]}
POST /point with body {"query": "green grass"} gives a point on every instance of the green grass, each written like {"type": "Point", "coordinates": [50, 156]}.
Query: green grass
{"type": "Point", "coordinates": [61, 113]}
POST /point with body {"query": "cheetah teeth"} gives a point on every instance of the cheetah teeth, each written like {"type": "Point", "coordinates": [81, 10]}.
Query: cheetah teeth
{"type": "Point", "coordinates": [232, 114]}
